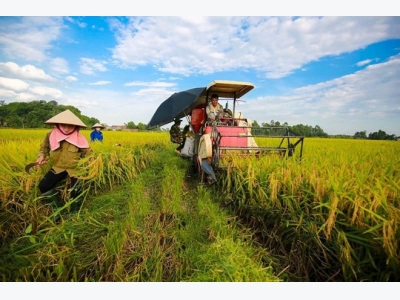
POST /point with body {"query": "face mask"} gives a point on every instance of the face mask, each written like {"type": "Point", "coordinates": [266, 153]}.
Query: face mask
{"type": "Point", "coordinates": [66, 129]}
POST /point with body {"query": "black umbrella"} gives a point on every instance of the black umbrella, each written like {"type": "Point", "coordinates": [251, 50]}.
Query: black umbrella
{"type": "Point", "coordinates": [177, 105]}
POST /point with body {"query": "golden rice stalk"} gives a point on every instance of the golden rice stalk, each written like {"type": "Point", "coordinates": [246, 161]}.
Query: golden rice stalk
{"type": "Point", "coordinates": [330, 223]}
{"type": "Point", "coordinates": [390, 242]}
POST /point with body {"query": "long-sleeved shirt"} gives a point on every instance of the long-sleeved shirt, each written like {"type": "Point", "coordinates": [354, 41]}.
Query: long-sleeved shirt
{"type": "Point", "coordinates": [212, 111]}
{"type": "Point", "coordinates": [96, 136]}
{"type": "Point", "coordinates": [65, 157]}
{"type": "Point", "coordinates": [176, 134]}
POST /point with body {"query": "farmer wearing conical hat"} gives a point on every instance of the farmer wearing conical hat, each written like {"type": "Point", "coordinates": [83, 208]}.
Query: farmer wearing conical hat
{"type": "Point", "coordinates": [96, 134]}
{"type": "Point", "coordinates": [63, 147]}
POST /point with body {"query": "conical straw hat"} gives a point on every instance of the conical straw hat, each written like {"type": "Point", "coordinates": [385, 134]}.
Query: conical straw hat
{"type": "Point", "coordinates": [66, 117]}
{"type": "Point", "coordinates": [97, 125]}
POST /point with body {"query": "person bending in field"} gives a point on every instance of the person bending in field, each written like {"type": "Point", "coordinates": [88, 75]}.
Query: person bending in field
{"type": "Point", "coordinates": [177, 136]}
{"type": "Point", "coordinates": [63, 147]}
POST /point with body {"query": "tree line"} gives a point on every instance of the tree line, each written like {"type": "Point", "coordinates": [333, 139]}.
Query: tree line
{"type": "Point", "coordinates": [317, 131]}
{"type": "Point", "coordinates": [300, 129]}
{"type": "Point", "coordinates": [33, 115]}
{"type": "Point", "coordinates": [377, 135]}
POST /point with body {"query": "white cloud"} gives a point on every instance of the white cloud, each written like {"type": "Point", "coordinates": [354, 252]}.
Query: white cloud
{"type": "Point", "coordinates": [250, 47]}
{"type": "Point", "coordinates": [16, 85]}
{"type": "Point", "coordinates": [28, 38]}
{"type": "Point", "coordinates": [31, 93]}
{"type": "Point", "coordinates": [100, 83]}
{"type": "Point", "coordinates": [59, 65]}
{"type": "Point", "coordinates": [76, 21]}
{"type": "Point", "coordinates": [363, 62]}
{"type": "Point", "coordinates": [46, 92]}
{"type": "Point", "coordinates": [273, 46]}
{"type": "Point", "coordinates": [14, 89]}
{"type": "Point", "coordinates": [71, 78]}
{"type": "Point", "coordinates": [89, 66]}
{"type": "Point", "coordinates": [338, 105]}
{"type": "Point", "coordinates": [150, 84]}
{"type": "Point", "coordinates": [27, 72]}
{"type": "Point", "coordinates": [6, 94]}
{"type": "Point", "coordinates": [152, 94]}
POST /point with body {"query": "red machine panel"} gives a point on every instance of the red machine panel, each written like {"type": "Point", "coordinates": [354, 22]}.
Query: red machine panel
{"type": "Point", "coordinates": [232, 136]}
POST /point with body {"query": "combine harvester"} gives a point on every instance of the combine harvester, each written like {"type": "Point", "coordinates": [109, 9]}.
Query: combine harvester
{"type": "Point", "coordinates": [210, 142]}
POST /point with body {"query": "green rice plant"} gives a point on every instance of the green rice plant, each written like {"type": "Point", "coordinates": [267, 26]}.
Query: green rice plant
{"type": "Point", "coordinates": [332, 217]}
{"type": "Point", "coordinates": [21, 205]}
{"type": "Point", "coordinates": [141, 221]}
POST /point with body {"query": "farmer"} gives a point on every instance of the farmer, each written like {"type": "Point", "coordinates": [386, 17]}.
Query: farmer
{"type": "Point", "coordinates": [63, 147]}
{"type": "Point", "coordinates": [214, 109]}
{"type": "Point", "coordinates": [96, 134]}
{"type": "Point", "coordinates": [177, 136]}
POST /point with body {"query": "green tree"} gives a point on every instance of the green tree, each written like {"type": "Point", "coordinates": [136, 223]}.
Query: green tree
{"type": "Point", "coordinates": [131, 125]}
{"type": "Point", "coordinates": [381, 135]}
{"type": "Point", "coordinates": [33, 114]}
{"type": "Point", "coordinates": [255, 124]}
{"type": "Point", "coordinates": [141, 126]}
{"type": "Point", "coordinates": [90, 121]}
{"type": "Point", "coordinates": [360, 135]}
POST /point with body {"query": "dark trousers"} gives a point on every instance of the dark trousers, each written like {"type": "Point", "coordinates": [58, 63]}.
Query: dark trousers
{"type": "Point", "coordinates": [51, 179]}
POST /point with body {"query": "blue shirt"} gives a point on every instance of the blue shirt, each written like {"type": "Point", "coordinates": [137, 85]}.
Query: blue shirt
{"type": "Point", "coordinates": [96, 136]}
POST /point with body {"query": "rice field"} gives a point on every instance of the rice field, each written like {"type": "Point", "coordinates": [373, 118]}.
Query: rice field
{"type": "Point", "coordinates": [334, 216]}
{"type": "Point", "coordinates": [337, 209]}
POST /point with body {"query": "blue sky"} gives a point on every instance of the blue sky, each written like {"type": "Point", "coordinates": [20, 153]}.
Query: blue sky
{"type": "Point", "coordinates": [341, 73]}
